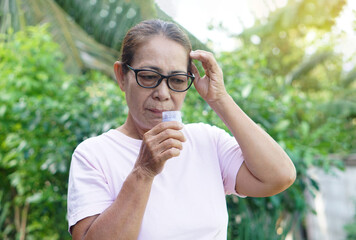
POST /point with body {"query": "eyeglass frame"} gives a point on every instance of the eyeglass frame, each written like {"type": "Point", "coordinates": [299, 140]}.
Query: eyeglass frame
{"type": "Point", "coordinates": [136, 71]}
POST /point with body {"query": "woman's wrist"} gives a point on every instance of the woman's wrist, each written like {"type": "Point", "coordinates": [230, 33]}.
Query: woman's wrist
{"type": "Point", "coordinates": [221, 103]}
{"type": "Point", "coordinates": [141, 174]}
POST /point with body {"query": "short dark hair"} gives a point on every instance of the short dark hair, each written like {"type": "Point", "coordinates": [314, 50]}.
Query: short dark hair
{"type": "Point", "coordinates": [143, 31]}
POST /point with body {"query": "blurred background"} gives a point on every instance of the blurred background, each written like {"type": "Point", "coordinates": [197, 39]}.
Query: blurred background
{"type": "Point", "coordinates": [289, 64]}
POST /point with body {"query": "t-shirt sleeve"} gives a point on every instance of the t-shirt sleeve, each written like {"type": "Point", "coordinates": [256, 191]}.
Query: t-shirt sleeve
{"type": "Point", "coordinates": [88, 191]}
{"type": "Point", "coordinates": [230, 159]}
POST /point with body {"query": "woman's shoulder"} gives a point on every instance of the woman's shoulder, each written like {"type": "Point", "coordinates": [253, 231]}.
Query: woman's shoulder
{"type": "Point", "coordinates": [94, 141]}
{"type": "Point", "coordinates": [108, 140]}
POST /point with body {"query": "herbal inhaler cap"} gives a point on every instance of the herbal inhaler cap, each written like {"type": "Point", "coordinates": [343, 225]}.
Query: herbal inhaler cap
{"type": "Point", "coordinates": [171, 116]}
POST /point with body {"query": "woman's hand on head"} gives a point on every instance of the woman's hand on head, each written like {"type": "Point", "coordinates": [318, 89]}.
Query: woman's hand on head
{"type": "Point", "coordinates": [211, 86]}
{"type": "Point", "coordinates": [159, 144]}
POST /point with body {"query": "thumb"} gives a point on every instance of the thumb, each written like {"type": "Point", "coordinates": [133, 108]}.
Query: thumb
{"type": "Point", "coordinates": [195, 71]}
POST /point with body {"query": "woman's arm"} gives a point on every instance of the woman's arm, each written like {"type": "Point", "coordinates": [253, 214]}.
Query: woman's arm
{"type": "Point", "coordinates": [267, 169]}
{"type": "Point", "coordinates": [122, 220]}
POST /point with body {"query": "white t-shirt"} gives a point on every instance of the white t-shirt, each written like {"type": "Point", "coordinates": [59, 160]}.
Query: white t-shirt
{"type": "Point", "coordinates": [187, 199]}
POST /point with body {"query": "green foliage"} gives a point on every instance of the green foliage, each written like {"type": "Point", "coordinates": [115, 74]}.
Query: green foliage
{"type": "Point", "coordinates": [300, 99]}
{"type": "Point", "coordinates": [295, 121]}
{"type": "Point", "coordinates": [89, 33]}
{"type": "Point", "coordinates": [102, 19]}
{"type": "Point", "coordinates": [304, 101]}
{"type": "Point", "coordinates": [351, 229]}
{"type": "Point", "coordinates": [44, 114]}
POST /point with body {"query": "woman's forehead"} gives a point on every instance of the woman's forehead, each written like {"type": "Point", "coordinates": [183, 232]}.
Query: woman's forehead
{"type": "Point", "coordinates": [160, 51]}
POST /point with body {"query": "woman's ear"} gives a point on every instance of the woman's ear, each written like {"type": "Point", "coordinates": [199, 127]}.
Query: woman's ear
{"type": "Point", "coordinates": [119, 74]}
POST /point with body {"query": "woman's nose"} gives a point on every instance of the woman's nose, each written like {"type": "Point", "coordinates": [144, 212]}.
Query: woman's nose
{"type": "Point", "coordinates": [162, 92]}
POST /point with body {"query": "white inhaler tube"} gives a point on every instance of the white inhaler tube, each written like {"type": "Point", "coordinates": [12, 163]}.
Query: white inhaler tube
{"type": "Point", "coordinates": [171, 116]}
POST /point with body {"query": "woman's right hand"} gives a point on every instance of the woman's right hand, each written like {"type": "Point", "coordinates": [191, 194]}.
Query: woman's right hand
{"type": "Point", "coordinates": [159, 144]}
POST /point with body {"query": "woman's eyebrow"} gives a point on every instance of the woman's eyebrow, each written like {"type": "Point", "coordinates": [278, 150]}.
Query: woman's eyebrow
{"type": "Point", "coordinates": [152, 68]}
{"type": "Point", "coordinates": [158, 69]}
{"type": "Point", "coordinates": [178, 71]}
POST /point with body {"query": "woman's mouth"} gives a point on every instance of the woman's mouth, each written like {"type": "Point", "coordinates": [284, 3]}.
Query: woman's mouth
{"type": "Point", "coordinates": [156, 112]}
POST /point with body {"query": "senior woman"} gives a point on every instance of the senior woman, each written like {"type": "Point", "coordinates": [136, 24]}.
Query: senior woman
{"type": "Point", "coordinates": [150, 179]}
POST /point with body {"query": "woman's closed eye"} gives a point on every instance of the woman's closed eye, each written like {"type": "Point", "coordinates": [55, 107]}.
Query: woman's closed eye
{"type": "Point", "coordinates": [149, 76]}
{"type": "Point", "coordinates": [178, 79]}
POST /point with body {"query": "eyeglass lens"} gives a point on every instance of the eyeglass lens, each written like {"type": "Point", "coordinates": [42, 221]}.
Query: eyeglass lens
{"type": "Point", "coordinates": [178, 82]}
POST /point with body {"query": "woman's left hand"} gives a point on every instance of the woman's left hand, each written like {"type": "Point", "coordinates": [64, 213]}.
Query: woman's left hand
{"type": "Point", "coordinates": [211, 86]}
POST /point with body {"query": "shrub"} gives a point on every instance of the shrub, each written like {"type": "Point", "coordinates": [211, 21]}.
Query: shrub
{"type": "Point", "coordinates": [44, 114]}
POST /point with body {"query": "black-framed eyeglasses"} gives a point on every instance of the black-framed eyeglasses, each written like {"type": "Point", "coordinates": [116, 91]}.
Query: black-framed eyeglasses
{"type": "Point", "coordinates": [179, 82]}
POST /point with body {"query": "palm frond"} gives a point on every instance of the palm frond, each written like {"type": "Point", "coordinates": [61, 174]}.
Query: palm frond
{"type": "Point", "coordinates": [299, 13]}
{"type": "Point", "coordinates": [90, 33]}
{"type": "Point", "coordinates": [340, 107]}
{"type": "Point", "coordinates": [9, 9]}
{"type": "Point", "coordinates": [106, 21]}
{"type": "Point", "coordinates": [80, 50]}
{"type": "Point", "coordinates": [308, 65]}
{"type": "Point", "coordinates": [349, 79]}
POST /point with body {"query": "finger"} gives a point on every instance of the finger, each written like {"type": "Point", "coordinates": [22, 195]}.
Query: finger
{"type": "Point", "coordinates": [170, 153]}
{"type": "Point", "coordinates": [195, 71]}
{"type": "Point", "coordinates": [209, 63]}
{"type": "Point", "coordinates": [163, 126]}
{"type": "Point", "coordinates": [170, 143]}
{"type": "Point", "coordinates": [159, 153]}
{"type": "Point", "coordinates": [207, 59]}
{"type": "Point", "coordinates": [170, 134]}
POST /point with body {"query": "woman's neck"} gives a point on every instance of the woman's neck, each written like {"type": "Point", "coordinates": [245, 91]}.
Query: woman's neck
{"type": "Point", "coordinates": [130, 129]}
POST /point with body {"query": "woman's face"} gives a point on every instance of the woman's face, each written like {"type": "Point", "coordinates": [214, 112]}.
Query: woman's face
{"type": "Point", "coordinates": [146, 105]}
